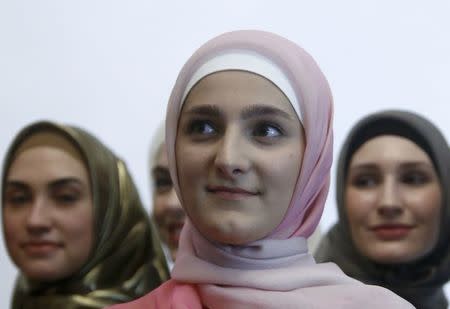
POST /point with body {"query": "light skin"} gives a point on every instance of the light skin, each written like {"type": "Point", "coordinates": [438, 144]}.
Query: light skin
{"type": "Point", "coordinates": [167, 211]}
{"type": "Point", "coordinates": [393, 200]}
{"type": "Point", "coordinates": [239, 149]}
{"type": "Point", "coordinates": [48, 213]}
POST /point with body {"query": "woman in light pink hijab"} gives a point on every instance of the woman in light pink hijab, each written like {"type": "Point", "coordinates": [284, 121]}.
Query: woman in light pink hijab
{"type": "Point", "coordinates": [249, 140]}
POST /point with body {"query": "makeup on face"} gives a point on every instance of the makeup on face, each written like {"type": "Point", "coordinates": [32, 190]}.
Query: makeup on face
{"type": "Point", "coordinates": [48, 209]}
{"type": "Point", "coordinates": [238, 150]}
{"type": "Point", "coordinates": [393, 200]}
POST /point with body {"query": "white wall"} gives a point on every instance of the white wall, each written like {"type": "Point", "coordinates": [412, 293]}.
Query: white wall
{"type": "Point", "coordinates": [108, 66]}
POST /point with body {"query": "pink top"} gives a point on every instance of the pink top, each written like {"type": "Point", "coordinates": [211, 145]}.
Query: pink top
{"type": "Point", "coordinates": [276, 271]}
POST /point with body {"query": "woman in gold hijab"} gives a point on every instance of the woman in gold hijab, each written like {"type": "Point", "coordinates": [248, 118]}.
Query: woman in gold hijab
{"type": "Point", "coordinates": [73, 222]}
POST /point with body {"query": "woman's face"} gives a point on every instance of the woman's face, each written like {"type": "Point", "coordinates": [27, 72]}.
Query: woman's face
{"type": "Point", "coordinates": [167, 211]}
{"type": "Point", "coordinates": [393, 200]}
{"type": "Point", "coordinates": [239, 149]}
{"type": "Point", "coordinates": [48, 213]}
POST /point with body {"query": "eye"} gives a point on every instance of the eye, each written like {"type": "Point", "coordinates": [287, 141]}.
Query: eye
{"type": "Point", "coordinates": [266, 132]}
{"type": "Point", "coordinates": [66, 196]}
{"type": "Point", "coordinates": [201, 127]}
{"type": "Point", "coordinates": [415, 178]}
{"type": "Point", "coordinates": [17, 198]}
{"type": "Point", "coordinates": [365, 181]}
{"type": "Point", "coordinates": [163, 184]}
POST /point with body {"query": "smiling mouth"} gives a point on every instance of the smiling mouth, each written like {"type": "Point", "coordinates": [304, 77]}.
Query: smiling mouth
{"type": "Point", "coordinates": [40, 248]}
{"type": "Point", "coordinates": [392, 231]}
{"type": "Point", "coordinates": [230, 193]}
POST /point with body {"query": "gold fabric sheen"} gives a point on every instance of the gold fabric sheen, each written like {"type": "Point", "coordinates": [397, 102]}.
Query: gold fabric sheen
{"type": "Point", "coordinates": [127, 260]}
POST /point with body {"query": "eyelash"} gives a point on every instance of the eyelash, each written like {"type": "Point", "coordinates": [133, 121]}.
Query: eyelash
{"type": "Point", "coordinates": [20, 199]}
{"type": "Point", "coordinates": [17, 199]}
{"type": "Point", "coordinates": [412, 179]}
{"type": "Point", "coordinates": [196, 128]}
{"type": "Point", "coordinates": [266, 125]}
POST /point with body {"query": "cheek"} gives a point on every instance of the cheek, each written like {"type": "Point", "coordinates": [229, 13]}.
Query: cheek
{"type": "Point", "coordinates": [358, 206]}
{"type": "Point", "coordinates": [158, 205]}
{"type": "Point", "coordinates": [428, 208]}
{"type": "Point", "coordinates": [13, 227]}
{"type": "Point", "coordinates": [78, 230]}
{"type": "Point", "coordinates": [191, 162]}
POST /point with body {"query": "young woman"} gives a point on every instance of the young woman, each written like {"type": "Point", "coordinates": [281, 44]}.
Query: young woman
{"type": "Point", "coordinates": [249, 141]}
{"type": "Point", "coordinates": [73, 222]}
{"type": "Point", "coordinates": [167, 212]}
{"type": "Point", "coordinates": [392, 184]}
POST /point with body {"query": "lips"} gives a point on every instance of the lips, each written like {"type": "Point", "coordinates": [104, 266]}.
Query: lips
{"type": "Point", "coordinates": [392, 231]}
{"type": "Point", "coordinates": [230, 193]}
{"type": "Point", "coordinates": [40, 248]}
{"type": "Point", "coordinates": [174, 231]}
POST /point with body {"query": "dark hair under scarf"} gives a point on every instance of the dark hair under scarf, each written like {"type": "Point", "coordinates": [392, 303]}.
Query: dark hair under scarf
{"type": "Point", "coordinates": [126, 260]}
{"type": "Point", "coordinates": [420, 282]}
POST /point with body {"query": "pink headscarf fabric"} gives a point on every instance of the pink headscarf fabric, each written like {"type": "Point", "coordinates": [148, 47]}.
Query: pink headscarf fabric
{"type": "Point", "coordinates": [277, 271]}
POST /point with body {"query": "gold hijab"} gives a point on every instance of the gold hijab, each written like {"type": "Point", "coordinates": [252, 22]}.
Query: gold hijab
{"type": "Point", "coordinates": [126, 261]}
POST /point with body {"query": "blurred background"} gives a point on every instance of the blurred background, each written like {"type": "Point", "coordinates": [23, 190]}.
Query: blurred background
{"type": "Point", "coordinates": [108, 66]}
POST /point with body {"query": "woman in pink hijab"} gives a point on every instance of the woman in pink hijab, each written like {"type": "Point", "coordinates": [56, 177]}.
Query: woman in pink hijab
{"type": "Point", "coordinates": [249, 141]}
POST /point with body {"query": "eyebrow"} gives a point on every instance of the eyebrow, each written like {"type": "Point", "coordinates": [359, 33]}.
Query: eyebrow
{"type": "Point", "coordinates": [205, 110]}
{"type": "Point", "coordinates": [56, 183]}
{"type": "Point", "coordinates": [264, 110]}
{"type": "Point", "coordinates": [16, 183]}
{"type": "Point", "coordinates": [402, 165]}
{"type": "Point", "coordinates": [248, 112]}
{"type": "Point", "coordinates": [64, 181]}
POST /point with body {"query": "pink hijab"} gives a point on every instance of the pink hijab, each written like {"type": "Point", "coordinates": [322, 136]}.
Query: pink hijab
{"type": "Point", "coordinates": [276, 271]}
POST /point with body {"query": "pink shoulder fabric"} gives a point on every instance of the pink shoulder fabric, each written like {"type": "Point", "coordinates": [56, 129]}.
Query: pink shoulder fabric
{"type": "Point", "coordinates": [168, 295]}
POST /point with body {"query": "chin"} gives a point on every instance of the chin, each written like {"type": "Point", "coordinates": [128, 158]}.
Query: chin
{"type": "Point", "coordinates": [43, 275]}
{"type": "Point", "coordinates": [228, 234]}
{"type": "Point", "coordinates": [388, 257]}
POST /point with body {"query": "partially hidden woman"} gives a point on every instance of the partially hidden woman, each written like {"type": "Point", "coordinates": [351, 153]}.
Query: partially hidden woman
{"type": "Point", "coordinates": [73, 222]}
{"type": "Point", "coordinates": [167, 212]}
{"type": "Point", "coordinates": [392, 194]}
{"type": "Point", "coordinates": [249, 142]}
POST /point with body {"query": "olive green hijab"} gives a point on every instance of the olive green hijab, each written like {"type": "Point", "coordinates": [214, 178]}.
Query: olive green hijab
{"type": "Point", "coordinates": [126, 260]}
{"type": "Point", "coordinates": [420, 282]}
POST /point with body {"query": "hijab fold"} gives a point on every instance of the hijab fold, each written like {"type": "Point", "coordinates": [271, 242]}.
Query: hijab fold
{"type": "Point", "coordinates": [126, 261]}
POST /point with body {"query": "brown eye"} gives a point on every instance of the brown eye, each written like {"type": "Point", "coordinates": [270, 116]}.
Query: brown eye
{"type": "Point", "coordinates": [163, 184]}
{"type": "Point", "coordinates": [66, 196]}
{"type": "Point", "coordinates": [365, 181]}
{"type": "Point", "coordinates": [415, 178]}
{"type": "Point", "coordinates": [266, 130]}
{"type": "Point", "coordinates": [17, 198]}
{"type": "Point", "coordinates": [201, 127]}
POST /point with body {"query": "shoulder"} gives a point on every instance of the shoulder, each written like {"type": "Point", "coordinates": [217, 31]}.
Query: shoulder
{"type": "Point", "coordinates": [165, 296]}
{"type": "Point", "coordinates": [147, 301]}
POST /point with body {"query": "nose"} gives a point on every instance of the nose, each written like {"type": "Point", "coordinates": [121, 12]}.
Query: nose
{"type": "Point", "coordinates": [38, 220]}
{"type": "Point", "coordinates": [231, 157]}
{"type": "Point", "coordinates": [172, 200]}
{"type": "Point", "coordinates": [390, 201]}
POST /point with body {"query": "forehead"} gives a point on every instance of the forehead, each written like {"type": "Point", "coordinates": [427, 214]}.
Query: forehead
{"type": "Point", "coordinates": [389, 149]}
{"type": "Point", "coordinates": [45, 162]}
{"type": "Point", "coordinates": [237, 89]}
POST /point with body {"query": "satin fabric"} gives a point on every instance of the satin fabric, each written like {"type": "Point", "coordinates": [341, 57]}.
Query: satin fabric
{"type": "Point", "coordinates": [420, 282]}
{"type": "Point", "coordinates": [127, 260]}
